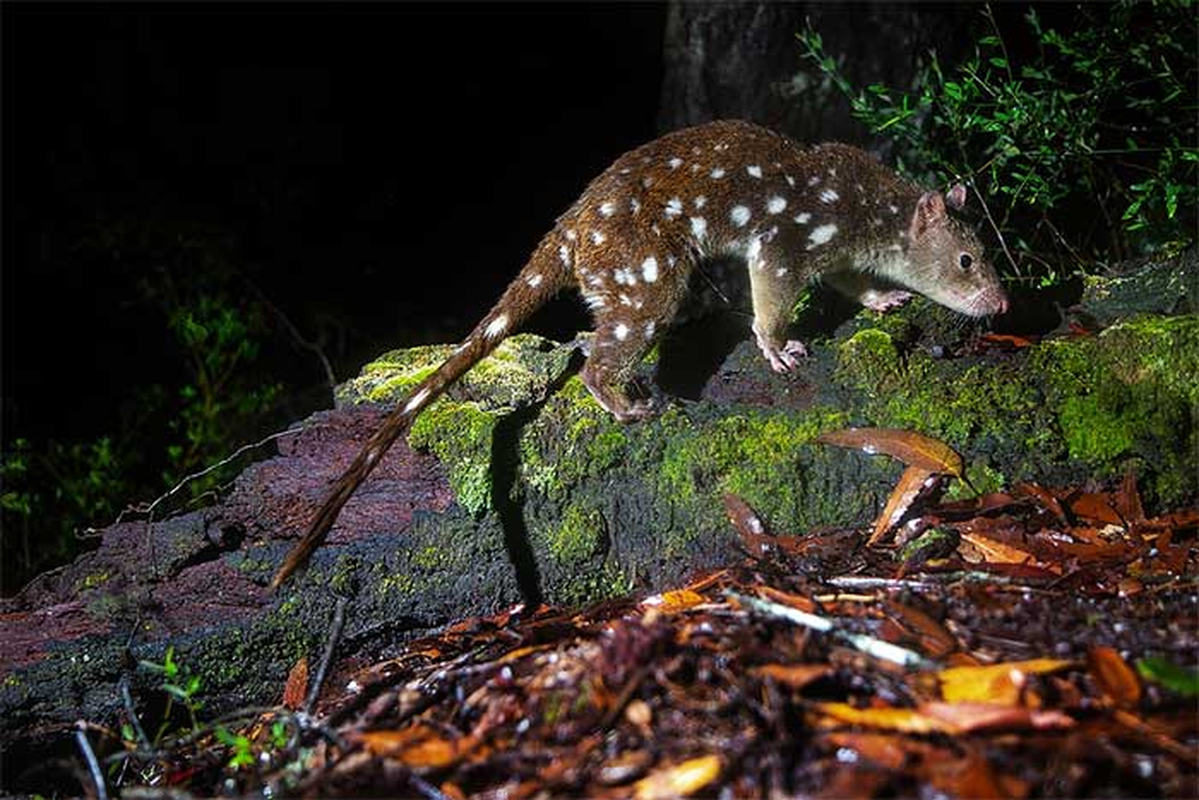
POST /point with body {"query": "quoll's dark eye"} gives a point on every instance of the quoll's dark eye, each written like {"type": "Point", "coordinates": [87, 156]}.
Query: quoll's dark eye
{"type": "Point", "coordinates": [964, 260]}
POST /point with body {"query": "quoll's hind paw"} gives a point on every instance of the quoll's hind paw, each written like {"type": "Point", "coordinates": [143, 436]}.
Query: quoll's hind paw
{"type": "Point", "coordinates": [885, 301]}
{"type": "Point", "coordinates": [637, 410]}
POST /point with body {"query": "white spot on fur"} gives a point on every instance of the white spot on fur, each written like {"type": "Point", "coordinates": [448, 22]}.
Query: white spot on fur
{"type": "Point", "coordinates": [621, 332]}
{"type": "Point", "coordinates": [634, 205]}
{"type": "Point", "coordinates": [754, 171]}
{"type": "Point", "coordinates": [717, 173]}
{"type": "Point", "coordinates": [720, 148]}
{"type": "Point", "coordinates": [624, 299]}
{"type": "Point", "coordinates": [675, 163]}
{"type": "Point", "coordinates": [812, 181]}
{"type": "Point", "coordinates": [894, 209]}
{"type": "Point", "coordinates": [781, 272]}
{"type": "Point", "coordinates": [832, 173]}
{"type": "Point", "coordinates": [802, 218]}
{"type": "Point", "coordinates": [647, 181]}
{"type": "Point", "coordinates": [649, 330]}
{"type": "Point", "coordinates": [695, 168]}
{"type": "Point", "coordinates": [497, 326]}
{"type": "Point", "coordinates": [769, 235]}
{"type": "Point", "coordinates": [700, 201]}
{"type": "Point", "coordinates": [790, 180]}
{"type": "Point", "coordinates": [699, 227]}
{"type": "Point", "coordinates": [598, 238]}
{"type": "Point", "coordinates": [754, 251]}
{"type": "Point", "coordinates": [775, 205]}
{"type": "Point", "coordinates": [674, 208]}
{"type": "Point", "coordinates": [534, 280]}
{"type": "Point", "coordinates": [624, 277]}
{"type": "Point", "coordinates": [594, 301]}
{"type": "Point", "coordinates": [739, 215]}
{"type": "Point", "coordinates": [570, 235]}
{"type": "Point", "coordinates": [695, 150]}
{"type": "Point", "coordinates": [829, 196]}
{"type": "Point", "coordinates": [657, 231]}
{"type": "Point", "coordinates": [417, 401]}
{"type": "Point", "coordinates": [821, 234]}
{"type": "Point", "coordinates": [564, 255]}
{"type": "Point", "coordinates": [625, 171]}
{"type": "Point", "coordinates": [607, 209]}
{"type": "Point", "coordinates": [649, 269]}
{"type": "Point", "coordinates": [670, 261]}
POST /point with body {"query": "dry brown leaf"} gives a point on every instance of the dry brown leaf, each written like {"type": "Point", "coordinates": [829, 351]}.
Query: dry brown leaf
{"type": "Point", "coordinates": [418, 746]}
{"type": "Point", "coordinates": [884, 749]}
{"type": "Point", "coordinates": [905, 720]}
{"type": "Point", "coordinates": [788, 599]}
{"type": "Point", "coordinates": [998, 684]}
{"type": "Point", "coordinates": [1128, 500]}
{"type": "Point", "coordinates": [748, 525]}
{"type": "Point", "coordinates": [996, 552]}
{"type": "Point", "coordinates": [911, 483]}
{"type": "Point", "coordinates": [1044, 498]}
{"type": "Point", "coordinates": [296, 689]}
{"type": "Point", "coordinates": [1095, 506]}
{"type": "Point", "coordinates": [971, 717]}
{"type": "Point", "coordinates": [1115, 677]}
{"type": "Point", "coordinates": [913, 449]}
{"type": "Point", "coordinates": [796, 676]}
{"type": "Point", "coordinates": [679, 779]}
{"type": "Point", "coordinates": [936, 640]}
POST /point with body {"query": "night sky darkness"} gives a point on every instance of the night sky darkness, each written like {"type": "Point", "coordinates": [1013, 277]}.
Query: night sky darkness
{"type": "Point", "coordinates": [389, 165]}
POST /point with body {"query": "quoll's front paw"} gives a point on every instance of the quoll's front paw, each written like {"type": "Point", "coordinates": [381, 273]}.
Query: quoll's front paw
{"type": "Point", "coordinates": [786, 358]}
{"type": "Point", "coordinates": [885, 301]}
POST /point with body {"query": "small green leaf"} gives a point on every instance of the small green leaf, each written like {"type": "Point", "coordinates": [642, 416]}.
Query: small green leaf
{"type": "Point", "coordinates": [1179, 679]}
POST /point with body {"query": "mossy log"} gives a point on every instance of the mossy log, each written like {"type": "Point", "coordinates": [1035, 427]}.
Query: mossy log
{"type": "Point", "coordinates": [518, 487]}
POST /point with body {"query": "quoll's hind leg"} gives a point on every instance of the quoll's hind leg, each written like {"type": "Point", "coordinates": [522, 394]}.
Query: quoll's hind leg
{"type": "Point", "coordinates": [635, 306]}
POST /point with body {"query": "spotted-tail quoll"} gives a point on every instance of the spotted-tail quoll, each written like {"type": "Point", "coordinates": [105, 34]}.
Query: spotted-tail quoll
{"type": "Point", "coordinates": [630, 242]}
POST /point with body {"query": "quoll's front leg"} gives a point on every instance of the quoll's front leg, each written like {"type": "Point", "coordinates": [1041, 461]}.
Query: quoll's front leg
{"type": "Point", "coordinates": [776, 287]}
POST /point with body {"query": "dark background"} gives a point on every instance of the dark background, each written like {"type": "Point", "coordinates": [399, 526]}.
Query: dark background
{"type": "Point", "coordinates": [382, 170]}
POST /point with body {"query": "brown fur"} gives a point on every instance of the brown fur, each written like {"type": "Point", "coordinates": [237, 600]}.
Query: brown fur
{"type": "Point", "coordinates": [630, 242]}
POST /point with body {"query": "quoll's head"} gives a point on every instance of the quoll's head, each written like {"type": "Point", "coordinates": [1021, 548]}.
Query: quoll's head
{"type": "Point", "coordinates": [947, 259]}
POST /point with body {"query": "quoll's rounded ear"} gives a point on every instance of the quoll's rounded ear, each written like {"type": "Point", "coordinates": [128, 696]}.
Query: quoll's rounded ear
{"type": "Point", "coordinates": [956, 197]}
{"type": "Point", "coordinates": [930, 211]}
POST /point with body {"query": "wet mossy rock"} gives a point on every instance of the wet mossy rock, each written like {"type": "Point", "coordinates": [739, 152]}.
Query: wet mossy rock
{"type": "Point", "coordinates": [517, 485]}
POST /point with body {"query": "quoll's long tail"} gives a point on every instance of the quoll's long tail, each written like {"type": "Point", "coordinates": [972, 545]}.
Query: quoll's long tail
{"type": "Point", "coordinates": [542, 278]}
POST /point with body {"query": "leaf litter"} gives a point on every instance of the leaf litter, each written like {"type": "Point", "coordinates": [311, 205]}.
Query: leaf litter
{"type": "Point", "coordinates": [1045, 647]}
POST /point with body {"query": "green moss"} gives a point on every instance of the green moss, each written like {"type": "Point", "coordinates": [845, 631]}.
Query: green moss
{"type": "Point", "coordinates": [460, 434]}
{"type": "Point", "coordinates": [593, 442]}
{"type": "Point", "coordinates": [1124, 393]}
{"type": "Point", "coordinates": [579, 537]}
{"type": "Point", "coordinates": [869, 352]}
{"type": "Point", "coordinates": [981, 477]}
{"type": "Point", "coordinates": [609, 582]}
{"type": "Point", "coordinates": [429, 557]}
{"type": "Point", "coordinates": [753, 456]}
{"type": "Point", "coordinates": [92, 581]}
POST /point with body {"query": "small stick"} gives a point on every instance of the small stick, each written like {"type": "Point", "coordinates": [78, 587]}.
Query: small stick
{"type": "Point", "coordinates": [867, 644]}
{"type": "Point", "coordinates": [338, 626]}
{"type": "Point", "coordinates": [93, 765]}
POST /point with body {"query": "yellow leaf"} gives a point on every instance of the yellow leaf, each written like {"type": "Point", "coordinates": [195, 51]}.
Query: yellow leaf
{"type": "Point", "coordinates": [418, 746]}
{"type": "Point", "coordinates": [906, 720]}
{"type": "Point", "coordinates": [685, 778]}
{"type": "Point", "coordinates": [994, 683]}
{"type": "Point", "coordinates": [676, 600]}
